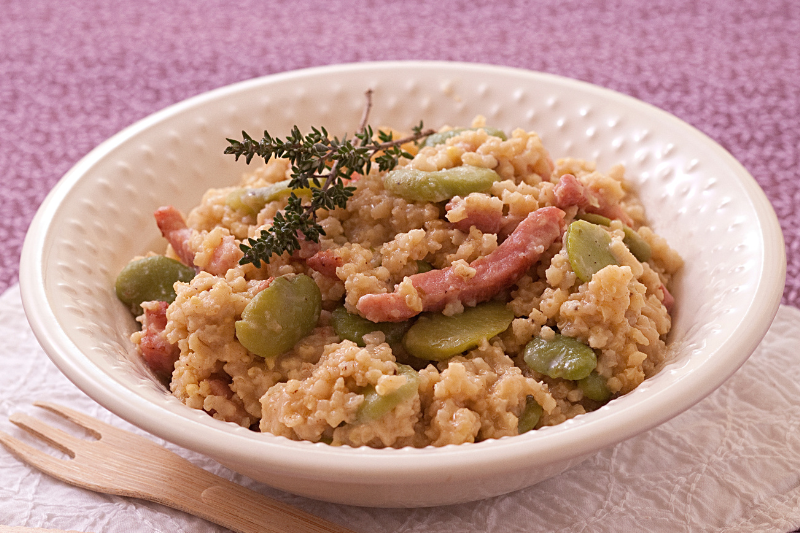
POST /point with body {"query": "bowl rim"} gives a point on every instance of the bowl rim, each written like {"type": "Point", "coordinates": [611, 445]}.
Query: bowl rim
{"type": "Point", "coordinates": [417, 464]}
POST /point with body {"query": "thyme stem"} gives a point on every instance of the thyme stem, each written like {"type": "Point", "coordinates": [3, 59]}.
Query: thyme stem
{"type": "Point", "coordinates": [325, 163]}
{"type": "Point", "coordinates": [367, 108]}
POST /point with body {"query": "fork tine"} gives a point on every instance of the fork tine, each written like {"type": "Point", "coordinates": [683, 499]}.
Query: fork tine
{"type": "Point", "coordinates": [90, 424]}
{"type": "Point", "coordinates": [62, 469]}
{"type": "Point", "coordinates": [100, 430]}
{"type": "Point", "coordinates": [53, 436]}
{"type": "Point", "coordinates": [30, 455]}
{"type": "Point", "coordinates": [107, 433]}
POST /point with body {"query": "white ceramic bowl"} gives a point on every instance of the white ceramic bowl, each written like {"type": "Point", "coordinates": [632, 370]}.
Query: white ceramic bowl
{"type": "Point", "coordinates": [697, 196]}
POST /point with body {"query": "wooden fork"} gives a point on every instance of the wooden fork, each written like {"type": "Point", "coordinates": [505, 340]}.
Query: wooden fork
{"type": "Point", "coordinates": [126, 464]}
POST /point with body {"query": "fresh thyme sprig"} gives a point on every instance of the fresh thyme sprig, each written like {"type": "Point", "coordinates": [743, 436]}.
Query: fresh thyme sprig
{"type": "Point", "coordinates": [322, 164]}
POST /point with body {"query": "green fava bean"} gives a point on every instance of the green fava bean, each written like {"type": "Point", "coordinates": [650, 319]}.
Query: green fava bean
{"type": "Point", "coordinates": [280, 315]}
{"type": "Point", "coordinates": [588, 249]}
{"type": "Point", "coordinates": [600, 220]}
{"type": "Point", "coordinates": [530, 415]}
{"type": "Point", "coordinates": [561, 357]}
{"type": "Point", "coordinates": [436, 337]}
{"type": "Point", "coordinates": [440, 185]}
{"type": "Point", "coordinates": [354, 327]}
{"type": "Point", "coordinates": [376, 406]}
{"type": "Point", "coordinates": [635, 243]}
{"type": "Point", "coordinates": [594, 387]}
{"type": "Point", "coordinates": [423, 266]}
{"type": "Point", "coordinates": [150, 278]}
{"type": "Point", "coordinates": [253, 200]}
{"type": "Point", "coordinates": [638, 246]}
{"type": "Point", "coordinates": [442, 136]}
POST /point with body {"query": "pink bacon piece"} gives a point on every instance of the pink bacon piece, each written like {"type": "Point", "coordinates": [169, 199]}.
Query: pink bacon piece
{"type": "Point", "coordinates": [307, 248]}
{"type": "Point", "coordinates": [485, 218]}
{"type": "Point", "coordinates": [258, 285]}
{"type": "Point", "coordinates": [225, 256]}
{"type": "Point", "coordinates": [571, 192]}
{"type": "Point", "coordinates": [219, 383]}
{"type": "Point", "coordinates": [325, 262]}
{"type": "Point", "coordinates": [668, 300]}
{"type": "Point", "coordinates": [493, 273]}
{"type": "Point", "coordinates": [508, 223]}
{"type": "Point", "coordinates": [173, 227]}
{"type": "Point", "coordinates": [157, 352]}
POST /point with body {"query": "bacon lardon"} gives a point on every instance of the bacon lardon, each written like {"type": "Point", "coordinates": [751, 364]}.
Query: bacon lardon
{"type": "Point", "coordinates": [173, 227]}
{"type": "Point", "coordinates": [668, 300]}
{"type": "Point", "coordinates": [325, 262]}
{"type": "Point", "coordinates": [493, 273]}
{"type": "Point", "coordinates": [571, 192]}
{"type": "Point", "coordinates": [484, 216]}
{"type": "Point", "coordinates": [157, 352]}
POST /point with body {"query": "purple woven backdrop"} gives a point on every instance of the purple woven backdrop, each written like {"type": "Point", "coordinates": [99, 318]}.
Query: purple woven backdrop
{"type": "Point", "coordinates": [73, 73]}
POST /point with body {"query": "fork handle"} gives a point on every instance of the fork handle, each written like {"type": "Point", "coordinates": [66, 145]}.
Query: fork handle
{"type": "Point", "coordinates": [242, 510]}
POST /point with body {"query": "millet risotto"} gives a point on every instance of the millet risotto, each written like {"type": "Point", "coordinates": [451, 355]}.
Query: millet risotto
{"type": "Point", "coordinates": [478, 290]}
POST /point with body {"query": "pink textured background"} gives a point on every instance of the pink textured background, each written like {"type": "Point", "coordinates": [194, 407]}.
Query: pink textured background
{"type": "Point", "coordinates": [74, 72]}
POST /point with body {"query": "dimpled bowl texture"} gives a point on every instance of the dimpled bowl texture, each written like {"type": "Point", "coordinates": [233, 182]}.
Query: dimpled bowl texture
{"type": "Point", "coordinates": [697, 196]}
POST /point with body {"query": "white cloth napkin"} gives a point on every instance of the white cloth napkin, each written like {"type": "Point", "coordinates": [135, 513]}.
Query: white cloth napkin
{"type": "Point", "coordinates": [731, 463]}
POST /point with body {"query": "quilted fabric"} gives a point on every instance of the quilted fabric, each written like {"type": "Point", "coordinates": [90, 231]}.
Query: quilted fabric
{"type": "Point", "coordinates": [74, 72]}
